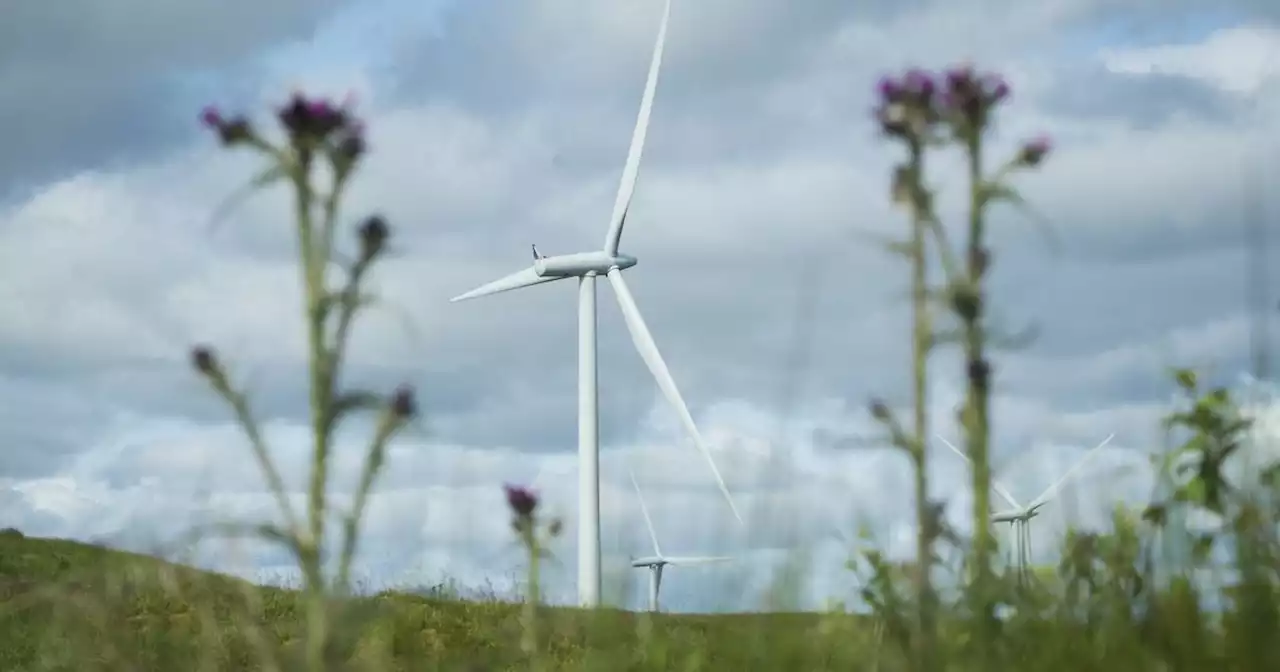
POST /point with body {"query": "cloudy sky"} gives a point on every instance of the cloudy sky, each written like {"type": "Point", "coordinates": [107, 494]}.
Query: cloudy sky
{"type": "Point", "coordinates": [499, 124]}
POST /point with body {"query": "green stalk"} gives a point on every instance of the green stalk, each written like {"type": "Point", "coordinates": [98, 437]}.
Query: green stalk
{"type": "Point", "coordinates": [977, 406]}
{"type": "Point", "coordinates": [529, 615]}
{"type": "Point", "coordinates": [320, 394]}
{"type": "Point", "coordinates": [922, 343]}
{"type": "Point", "coordinates": [373, 463]}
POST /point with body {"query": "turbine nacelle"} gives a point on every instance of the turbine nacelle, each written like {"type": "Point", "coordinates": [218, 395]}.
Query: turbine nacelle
{"type": "Point", "coordinates": [651, 561]}
{"type": "Point", "coordinates": [549, 269]}
{"type": "Point", "coordinates": [580, 264]}
{"type": "Point", "coordinates": [1016, 516]}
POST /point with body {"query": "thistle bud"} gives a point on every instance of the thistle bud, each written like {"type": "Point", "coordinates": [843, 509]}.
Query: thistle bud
{"type": "Point", "coordinates": [205, 361]}
{"type": "Point", "coordinates": [1033, 152]}
{"type": "Point", "coordinates": [373, 236]}
{"type": "Point", "coordinates": [403, 402]}
{"type": "Point", "coordinates": [230, 131]}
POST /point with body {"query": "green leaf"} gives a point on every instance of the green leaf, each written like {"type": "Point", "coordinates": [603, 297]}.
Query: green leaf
{"type": "Point", "coordinates": [1270, 476]}
{"type": "Point", "coordinates": [1193, 492]}
{"type": "Point", "coordinates": [262, 180]}
{"type": "Point", "coordinates": [354, 401]}
{"type": "Point", "coordinates": [1156, 514]}
{"type": "Point", "coordinates": [993, 192]}
{"type": "Point", "coordinates": [1186, 379]}
{"type": "Point", "coordinates": [350, 402]}
{"type": "Point", "coordinates": [1202, 547]}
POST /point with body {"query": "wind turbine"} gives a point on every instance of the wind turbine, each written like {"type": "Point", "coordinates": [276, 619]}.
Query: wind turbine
{"type": "Point", "coordinates": [1019, 517]}
{"type": "Point", "coordinates": [586, 266]}
{"type": "Point", "coordinates": [658, 561]}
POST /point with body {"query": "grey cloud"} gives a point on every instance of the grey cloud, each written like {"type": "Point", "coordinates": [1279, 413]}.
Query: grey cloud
{"type": "Point", "coordinates": [1143, 101]}
{"type": "Point", "coordinates": [576, 48]}
{"type": "Point", "coordinates": [145, 33]}
{"type": "Point", "coordinates": [44, 423]}
{"type": "Point", "coordinates": [87, 83]}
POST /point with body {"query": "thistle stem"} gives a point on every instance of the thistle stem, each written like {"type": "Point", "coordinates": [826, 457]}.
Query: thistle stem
{"type": "Point", "coordinates": [922, 339]}
{"type": "Point", "coordinates": [977, 407]}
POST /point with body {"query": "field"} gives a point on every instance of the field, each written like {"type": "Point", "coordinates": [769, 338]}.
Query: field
{"type": "Point", "coordinates": [74, 606]}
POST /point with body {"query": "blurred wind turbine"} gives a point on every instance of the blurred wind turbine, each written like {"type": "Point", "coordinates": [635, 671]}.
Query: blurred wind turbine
{"type": "Point", "coordinates": [586, 266]}
{"type": "Point", "coordinates": [1019, 517]}
{"type": "Point", "coordinates": [658, 561]}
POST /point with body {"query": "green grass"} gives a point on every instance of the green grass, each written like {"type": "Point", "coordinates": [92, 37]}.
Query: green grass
{"type": "Point", "coordinates": [73, 606]}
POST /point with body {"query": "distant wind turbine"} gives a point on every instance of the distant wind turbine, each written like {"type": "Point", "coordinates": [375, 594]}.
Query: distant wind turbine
{"type": "Point", "coordinates": [586, 266]}
{"type": "Point", "coordinates": [656, 562]}
{"type": "Point", "coordinates": [1019, 517]}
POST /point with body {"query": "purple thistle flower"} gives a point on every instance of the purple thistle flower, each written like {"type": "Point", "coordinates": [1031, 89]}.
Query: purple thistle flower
{"type": "Point", "coordinates": [968, 97]}
{"type": "Point", "coordinates": [522, 500]}
{"type": "Point", "coordinates": [906, 107]}
{"type": "Point", "coordinates": [319, 108]}
{"type": "Point", "coordinates": [960, 77]}
{"type": "Point", "coordinates": [919, 83]}
{"type": "Point", "coordinates": [890, 89]}
{"type": "Point", "coordinates": [314, 119]}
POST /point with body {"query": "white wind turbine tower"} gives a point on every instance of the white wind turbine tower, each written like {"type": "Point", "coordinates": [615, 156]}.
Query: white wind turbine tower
{"type": "Point", "coordinates": [1019, 517]}
{"type": "Point", "coordinates": [657, 562]}
{"type": "Point", "coordinates": [586, 266]}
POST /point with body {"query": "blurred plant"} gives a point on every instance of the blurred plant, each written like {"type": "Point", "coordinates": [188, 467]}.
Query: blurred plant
{"type": "Point", "coordinates": [1216, 429]}
{"type": "Point", "coordinates": [909, 113]}
{"type": "Point", "coordinates": [1098, 570]}
{"type": "Point", "coordinates": [523, 503]}
{"type": "Point", "coordinates": [923, 111]}
{"type": "Point", "coordinates": [318, 134]}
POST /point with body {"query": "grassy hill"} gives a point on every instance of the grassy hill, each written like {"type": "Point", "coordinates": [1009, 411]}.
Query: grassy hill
{"type": "Point", "coordinates": [72, 606]}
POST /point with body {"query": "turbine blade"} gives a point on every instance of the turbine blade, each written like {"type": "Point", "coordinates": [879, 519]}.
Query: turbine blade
{"type": "Point", "coordinates": [648, 522]}
{"type": "Point", "coordinates": [1052, 491]}
{"type": "Point", "coordinates": [653, 359]}
{"type": "Point", "coordinates": [526, 278]}
{"type": "Point", "coordinates": [995, 485]}
{"type": "Point", "coordinates": [697, 560]}
{"type": "Point", "coordinates": [631, 170]}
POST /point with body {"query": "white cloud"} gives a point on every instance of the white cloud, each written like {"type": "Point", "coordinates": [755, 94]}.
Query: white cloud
{"type": "Point", "coordinates": [440, 512]}
{"type": "Point", "coordinates": [1241, 59]}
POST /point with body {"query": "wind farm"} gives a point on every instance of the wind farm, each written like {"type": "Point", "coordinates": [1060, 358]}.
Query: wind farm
{"type": "Point", "coordinates": [222, 455]}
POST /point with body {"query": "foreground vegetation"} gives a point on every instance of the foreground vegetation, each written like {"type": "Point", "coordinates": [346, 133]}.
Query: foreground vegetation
{"type": "Point", "coordinates": [70, 606]}
{"type": "Point", "coordinates": [1114, 602]}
